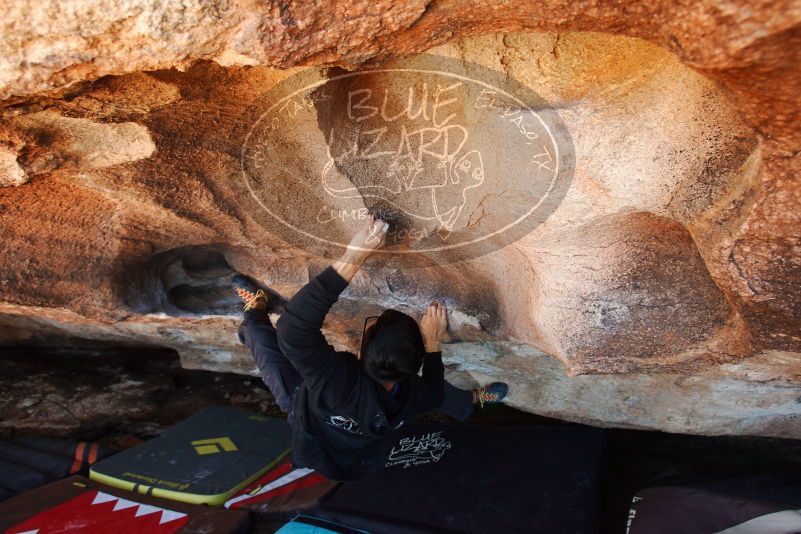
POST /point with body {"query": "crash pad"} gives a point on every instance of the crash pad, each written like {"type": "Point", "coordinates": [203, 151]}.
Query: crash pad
{"type": "Point", "coordinates": [449, 478]}
{"type": "Point", "coordinates": [283, 490]}
{"type": "Point", "coordinates": [29, 462]}
{"type": "Point", "coordinates": [731, 505]}
{"type": "Point", "coordinates": [77, 504]}
{"type": "Point", "coordinates": [314, 525]}
{"type": "Point", "coordinates": [202, 460]}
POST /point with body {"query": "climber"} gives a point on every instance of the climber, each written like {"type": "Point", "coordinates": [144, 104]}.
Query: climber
{"type": "Point", "coordinates": [342, 407]}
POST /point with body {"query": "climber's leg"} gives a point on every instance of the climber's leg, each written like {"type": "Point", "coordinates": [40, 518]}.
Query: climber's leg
{"type": "Point", "coordinates": [258, 334]}
{"type": "Point", "coordinates": [456, 403]}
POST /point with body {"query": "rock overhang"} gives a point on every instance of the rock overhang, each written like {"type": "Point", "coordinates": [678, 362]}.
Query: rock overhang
{"type": "Point", "coordinates": [673, 252]}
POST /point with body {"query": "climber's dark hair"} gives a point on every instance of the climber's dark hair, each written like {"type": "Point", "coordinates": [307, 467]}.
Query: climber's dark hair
{"type": "Point", "coordinates": [392, 347]}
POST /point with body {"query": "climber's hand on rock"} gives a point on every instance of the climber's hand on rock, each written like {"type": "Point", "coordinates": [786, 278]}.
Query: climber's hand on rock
{"type": "Point", "coordinates": [368, 239]}
{"type": "Point", "coordinates": [434, 325]}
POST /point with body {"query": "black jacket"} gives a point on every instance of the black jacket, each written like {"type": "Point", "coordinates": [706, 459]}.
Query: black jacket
{"type": "Point", "coordinates": [342, 419]}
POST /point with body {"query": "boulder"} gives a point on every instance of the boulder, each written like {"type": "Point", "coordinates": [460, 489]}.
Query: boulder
{"type": "Point", "coordinates": [606, 198]}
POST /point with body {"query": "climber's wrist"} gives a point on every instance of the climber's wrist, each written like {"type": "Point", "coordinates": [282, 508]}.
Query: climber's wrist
{"type": "Point", "coordinates": [349, 264]}
{"type": "Point", "coordinates": [432, 346]}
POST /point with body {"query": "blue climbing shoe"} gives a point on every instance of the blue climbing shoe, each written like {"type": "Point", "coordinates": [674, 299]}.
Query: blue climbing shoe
{"type": "Point", "coordinates": [246, 291]}
{"type": "Point", "coordinates": [492, 393]}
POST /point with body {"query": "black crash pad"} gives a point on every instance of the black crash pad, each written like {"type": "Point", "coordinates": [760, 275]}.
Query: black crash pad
{"type": "Point", "coordinates": [446, 478]}
{"type": "Point", "coordinates": [753, 504]}
{"type": "Point", "coordinates": [29, 462]}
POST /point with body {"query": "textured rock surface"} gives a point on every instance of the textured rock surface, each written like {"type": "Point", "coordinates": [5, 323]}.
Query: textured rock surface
{"type": "Point", "coordinates": [756, 396]}
{"type": "Point", "coordinates": [672, 266]}
{"type": "Point", "coordinates": [114, 395]}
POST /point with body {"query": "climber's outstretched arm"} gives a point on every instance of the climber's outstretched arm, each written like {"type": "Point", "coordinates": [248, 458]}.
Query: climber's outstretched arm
{"type": "Point", "coordinates": [367, 240]}
{"type": "Point", "coordinates": [300, 335]}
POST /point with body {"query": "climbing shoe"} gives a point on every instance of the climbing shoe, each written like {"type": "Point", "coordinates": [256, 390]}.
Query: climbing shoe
{"type": "Point", "coordinates": [248, 292]}
{"type": "Point", "coordinates": [492, 393]}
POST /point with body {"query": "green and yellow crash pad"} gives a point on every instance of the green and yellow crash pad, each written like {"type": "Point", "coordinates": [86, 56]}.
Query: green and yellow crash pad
{"type": "Point", "coordinates": [202, 460]}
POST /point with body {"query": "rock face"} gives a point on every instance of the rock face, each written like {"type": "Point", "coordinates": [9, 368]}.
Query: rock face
{"type": "Point", "coordinates": [657, 283]}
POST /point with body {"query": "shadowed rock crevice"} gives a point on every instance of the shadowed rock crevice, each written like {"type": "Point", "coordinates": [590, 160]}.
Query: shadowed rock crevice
{"type": "Point", "coordinates": [188, 280]}
{"type": "Point", "coordinates": [199, 281]}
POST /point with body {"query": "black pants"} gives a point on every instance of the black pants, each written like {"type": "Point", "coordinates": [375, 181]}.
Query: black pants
{"type": "Point", "coordinates": [258, 334]}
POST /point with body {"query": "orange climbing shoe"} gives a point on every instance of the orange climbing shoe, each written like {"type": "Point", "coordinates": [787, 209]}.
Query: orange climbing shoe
{"type": "Point", "coordinates": [248, 292]}
{"type": "Point", "coordinates": [492, 393]}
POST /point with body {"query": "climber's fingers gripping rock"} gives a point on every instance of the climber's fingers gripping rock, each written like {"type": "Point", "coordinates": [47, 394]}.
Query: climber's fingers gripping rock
{"type": "Point", "coordinates": [434, 326]}
{"type": "Point", "coordinates": [370, 237]}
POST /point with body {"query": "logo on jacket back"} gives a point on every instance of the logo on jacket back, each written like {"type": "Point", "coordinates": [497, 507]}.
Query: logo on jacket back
{"type": "Point", "coordinates": [345, 423]}
{"type": "Point", "coordinates": [425, 449]}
